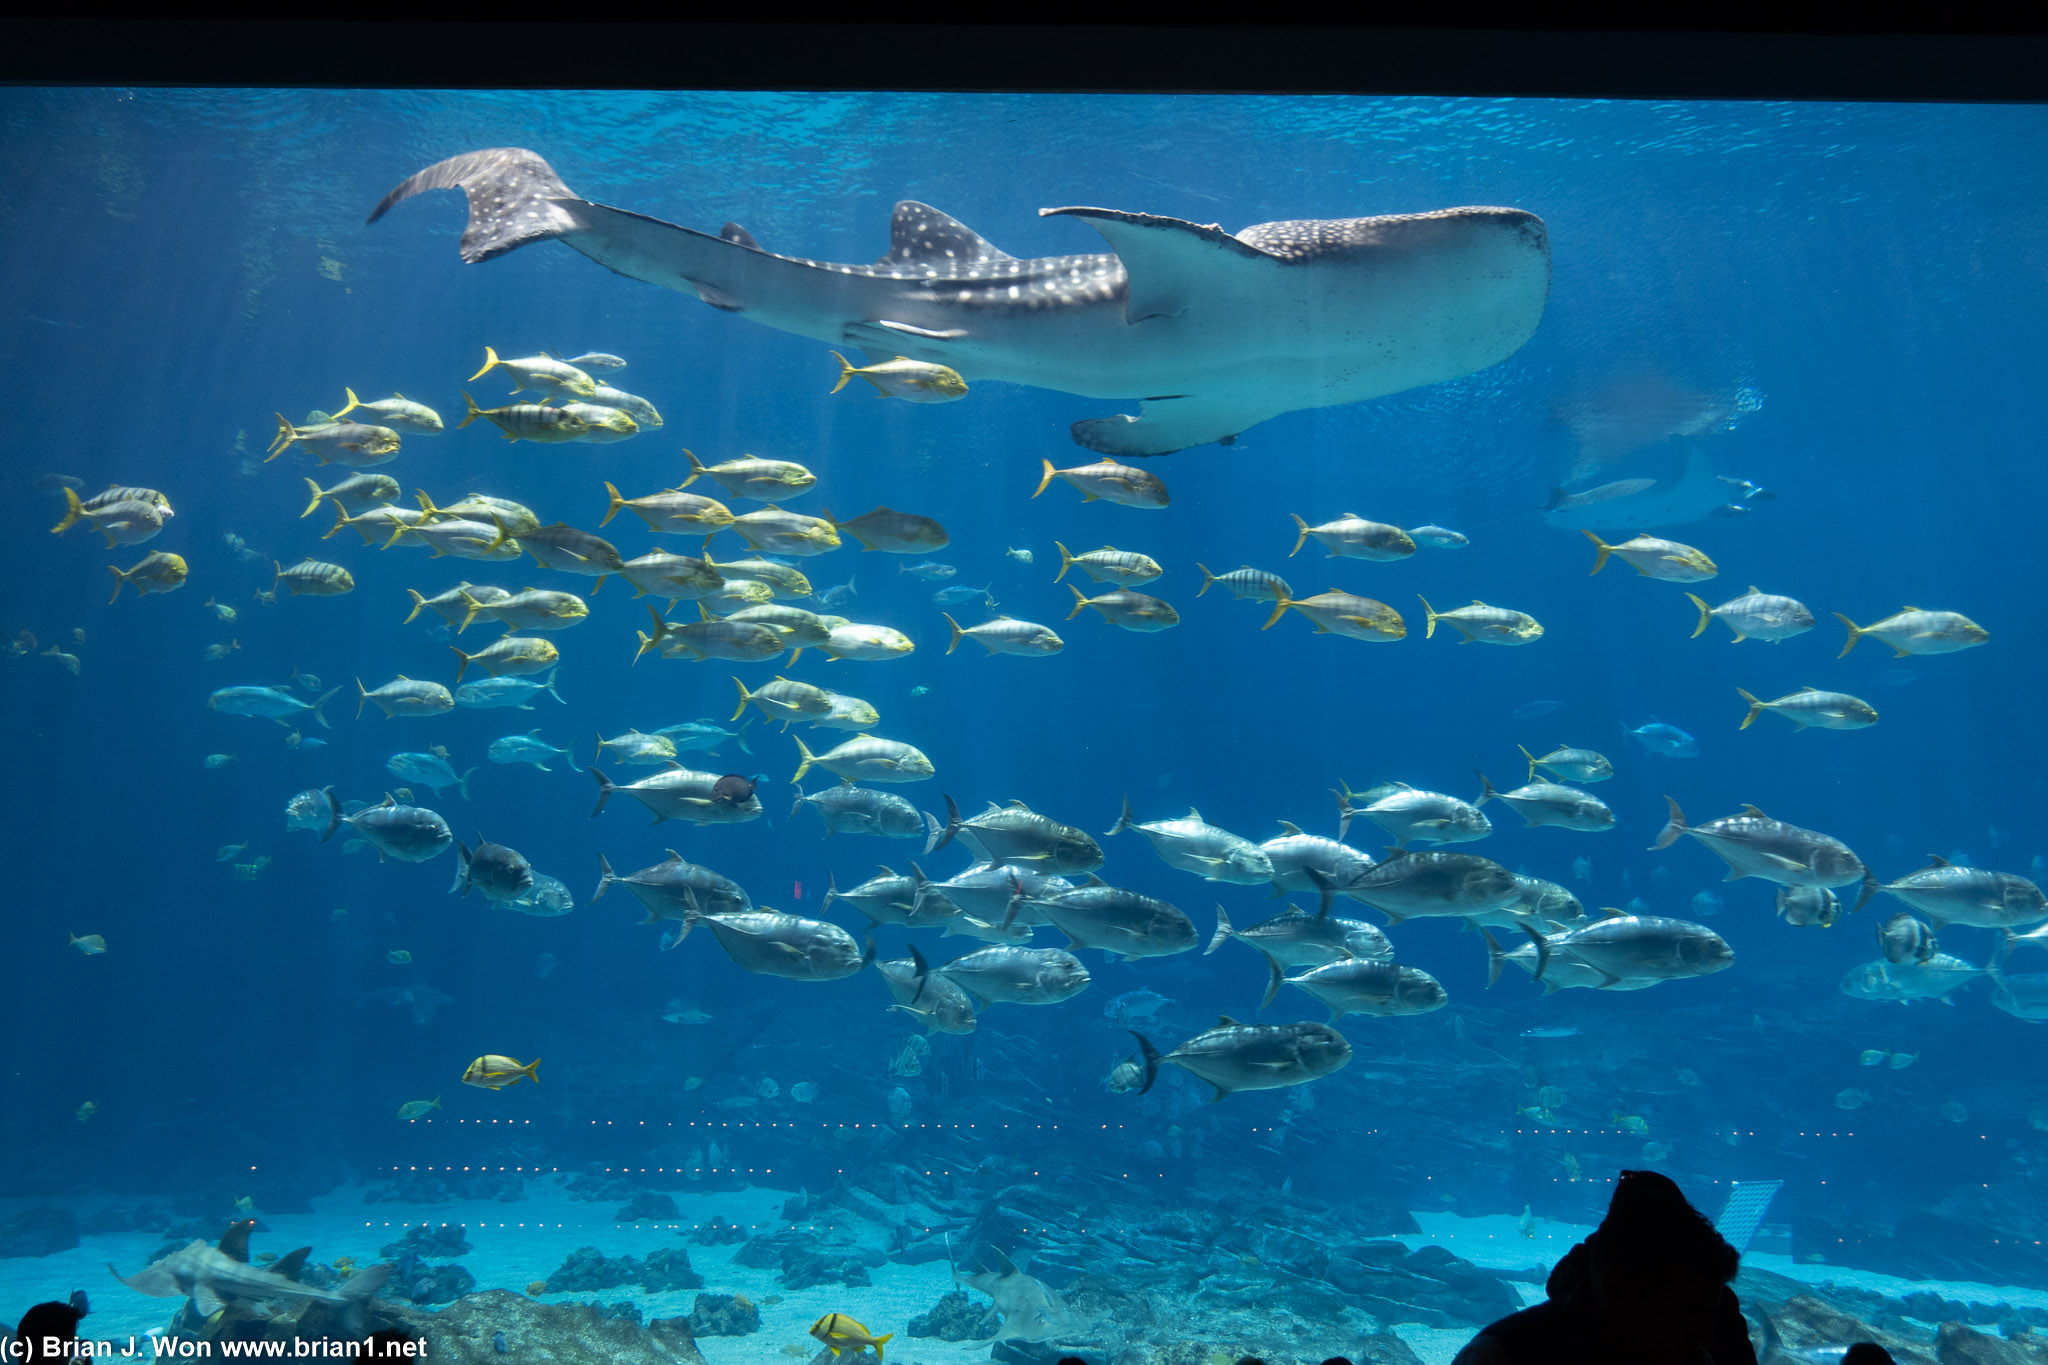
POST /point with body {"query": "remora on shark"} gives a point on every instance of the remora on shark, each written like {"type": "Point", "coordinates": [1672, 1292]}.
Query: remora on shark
{"type": "Point", "coordinates": [1213, 331]}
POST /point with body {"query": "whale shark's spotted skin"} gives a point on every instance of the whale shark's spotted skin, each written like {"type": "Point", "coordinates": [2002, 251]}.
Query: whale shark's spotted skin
{"type": "Point", "coordinates": [1212, 331]}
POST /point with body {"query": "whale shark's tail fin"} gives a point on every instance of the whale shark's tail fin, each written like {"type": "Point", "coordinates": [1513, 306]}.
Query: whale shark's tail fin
{"type": "Point", "coordinates": [513, 196]}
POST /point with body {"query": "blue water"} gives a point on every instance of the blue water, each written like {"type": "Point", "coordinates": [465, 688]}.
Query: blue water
{"type": "Point", "coordinates": [1842, 302]}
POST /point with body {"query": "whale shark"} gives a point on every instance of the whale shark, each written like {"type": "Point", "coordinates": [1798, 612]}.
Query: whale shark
{"type": "Point", "coordinates": [1210, 331]}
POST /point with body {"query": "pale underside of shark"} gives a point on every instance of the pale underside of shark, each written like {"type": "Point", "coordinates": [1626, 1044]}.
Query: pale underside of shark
{"type": "Point", "coordinates": [1030, 1310]}
{"type": "Point", "coordinates": [1213, 331]}
{"type": "Point", "coordinates": [1691, 491]}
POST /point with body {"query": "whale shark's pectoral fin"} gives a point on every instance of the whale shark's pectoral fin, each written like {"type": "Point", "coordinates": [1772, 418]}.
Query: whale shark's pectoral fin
{"type": "Point", "coordinates": [1167, 424]}
{"type": "Point", "coordinates": [1172, 262]}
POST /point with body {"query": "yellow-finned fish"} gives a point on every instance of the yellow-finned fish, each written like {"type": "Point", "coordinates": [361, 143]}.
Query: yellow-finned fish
{"type": "Point", "coordinates": [528, 421]}
{"type": "Point", "coordinates": [752, 477]}
{"type": "Point", "coordinates": [1913, 630]}
{"type": "Point", "coordinates": [1484, 625]}
{"type": "Point", "coordinates": [1125, 485]}
{"type": "Point", "coordinates": [1343, 613]}
{"type": "Point", "coordinates": [493, 1072]}
{"type": "Point", "coordinates": [313, 578]}
{"type": "Point", "coordinates": [1654, 558]}
{"type": "Point", "coordinates": [157, 572]}
{"type": "Point", "coordinates": [1812, 706]}
{"type": "Point", "coordinates": [845, 1336]}
{"type": "Point", "coordinates": [919, 381]}
{"type": "Point", "coordinates": [542, 373]}
{"type": "Point", "coordinates": [355, 444]}
{"type": "Point", "coordinates": [397, 412]}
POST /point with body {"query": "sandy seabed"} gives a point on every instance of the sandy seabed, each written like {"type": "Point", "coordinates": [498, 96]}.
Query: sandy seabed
{"type": "Point", "coordinates": [517, 1243]}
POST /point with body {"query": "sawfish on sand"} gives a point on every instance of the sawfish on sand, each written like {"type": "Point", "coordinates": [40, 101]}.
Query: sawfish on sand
{"type": "Point", "coordinates": [1211, 331]}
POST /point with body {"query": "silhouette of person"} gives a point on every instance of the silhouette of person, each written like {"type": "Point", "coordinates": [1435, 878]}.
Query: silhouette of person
{"type": "Point", "coordinates": [389, 1343]}
{"type": "Point", "coordinates": [1649, 1287]}
{"type": "Point", "coordinates": [45, 1323]}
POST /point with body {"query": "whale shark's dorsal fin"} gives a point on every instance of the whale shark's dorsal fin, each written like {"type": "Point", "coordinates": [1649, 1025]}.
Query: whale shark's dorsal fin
{"type": "Point", "coordinates": [1168, 260]}
{"type": "Point", "coordinates": [739, 236]}
{"type": "Point", "coordinates": [919, 234]}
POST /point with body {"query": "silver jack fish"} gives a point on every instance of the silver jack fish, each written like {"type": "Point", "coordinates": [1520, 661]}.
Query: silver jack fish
{"type": "Point", "coordinates": [1234, 1056]}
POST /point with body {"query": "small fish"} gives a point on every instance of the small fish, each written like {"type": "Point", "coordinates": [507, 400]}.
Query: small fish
{"type": "Point", "coordinates": [596, 360]}
{"type": "Point", "coordinates": [92, 945]}
{"type": "Point", "coordinates": [229, 851]}
{"type": "Point", "coordinates": [398, 957]}
{"type": "Point", "coordinates": [1579, 765]}
{"type": "Point", "coordinates": [1851, 1099]}
{"type": "Point", "coordinates": [70, 661]}
{"type": "Point", "coordinates": [844, 1335]}
{"type": "Point", "coordinates": [417, 1109]}
{"type": "Point", "coordinates": [1551, 1031]}
{"type": "Point", "coordinates": [835, 595]}
{"type": "Point", "coordinates": [1666, 740]}
{"type": "Point", "coordinates": [1438, 537]}
{"type": "Point", "coordinates": [1903, 938]}
{"type": "Point", "coordinates": [86, 1111]}
{"type": "Point", "coordinates": [917, 380]}
{"type": "Point", "coordinates": [1021, 556]}
{"type": "Point", "coordinates": [1633, 1124]}
{"type": "Point", "coordinates": [494, 1072]}
{"type": "Point", "coordinates": [222, 610]}
{"type": "Point", "coordinates": [930, 570]}
{"type": "Point", "coordinates": [1246, 584]}
{"type": "Point", "coordinates": [960, 592]}
{"type": "Point", "coordinates": [215, 653]}
{"type": "Point", "coordinates": [679, 1013]}
{"type": "Point", "coordinates": [1125, 1077]}
{"type": "Point", "coordinates": [1582, 868]}
{"type": "Point", "coordinates": [1902, 1060]}
{"type": "Point", "coordinates": [1529, 710]}
{"type": "Point", "coordinates": [220, 760]}
{"type": "Point", "coordinates": [1872, 1056]}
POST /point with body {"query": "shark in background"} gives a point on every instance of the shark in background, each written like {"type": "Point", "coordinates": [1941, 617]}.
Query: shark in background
{"type": "Point", "coordinates": [1687, 492]}
{"type": "Point", "coordinates": [212, 1276]}
{"type": "Point", "coordinates": [1212, 331]}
